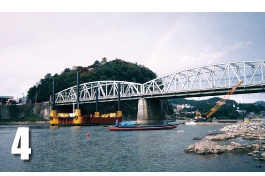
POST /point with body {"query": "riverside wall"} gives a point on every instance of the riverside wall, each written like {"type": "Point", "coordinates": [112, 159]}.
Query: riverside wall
{"type": "Point", "coordinates": [12, 112]}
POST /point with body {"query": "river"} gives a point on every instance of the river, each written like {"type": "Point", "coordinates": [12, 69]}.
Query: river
{"type": "Point", "coordinates": [69, 149]}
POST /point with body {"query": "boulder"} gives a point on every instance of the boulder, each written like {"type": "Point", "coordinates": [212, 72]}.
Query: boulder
{"type": "Point", "coordinates": [250, 154]}
{"type": "Point", "coordinates": [222, 137]}
{"type": "Point", "coordinates": [262, 154]}
{"type": "Point", "coordinates": [205, 147]}
{"type": "Point", "coordinates": [255, 146]}
{"type": "Point", "coordinates": [240, 148]}
{"type": "Point", "coordinates": [235, 144]}
{"type": "Point", "coordinates": [255, 152]}
{"type": "Point", "coordinates": [209, 147]}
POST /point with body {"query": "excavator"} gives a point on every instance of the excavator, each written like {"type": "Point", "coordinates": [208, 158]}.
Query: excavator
{"type": "Point", "coordinates": [204, 117]}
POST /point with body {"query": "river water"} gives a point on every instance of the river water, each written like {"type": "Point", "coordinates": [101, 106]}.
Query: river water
{"type": "Point", "coordinates": [69, 149]}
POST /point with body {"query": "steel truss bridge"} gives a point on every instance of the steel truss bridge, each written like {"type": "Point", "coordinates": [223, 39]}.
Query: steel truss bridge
{"type": "Point", "coordinates": [208, 80]}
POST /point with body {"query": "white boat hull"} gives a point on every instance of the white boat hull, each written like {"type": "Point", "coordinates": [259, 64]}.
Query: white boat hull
{"type": "Point", "coordinates": [190, 123]}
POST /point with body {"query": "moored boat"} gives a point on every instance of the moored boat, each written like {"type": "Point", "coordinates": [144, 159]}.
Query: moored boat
{"type": "Point", "coordinates": [191, 122]}
{"type": "Point", "coordinates": [141, 128]}
{"type": "Point", "coordinates": [134, 127]}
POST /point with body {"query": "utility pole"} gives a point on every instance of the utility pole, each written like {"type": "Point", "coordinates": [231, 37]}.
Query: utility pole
{"type": "Point", "coordinates": [53, 94]}
{"type": "Point", "coordinates": [77, 98]}
{"type": "Point", "coordinates": [119, 97]}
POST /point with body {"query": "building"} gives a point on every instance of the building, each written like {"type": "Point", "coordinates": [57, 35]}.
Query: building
{"type": "Point", "coordinates": [104, 61]}
{"type": "Point", "coordinates": [246, 119]}
{"type": "Point", "coordinates": [178, 108]}
{"type": "Point", "coordinates": [242, 112]}
{"type": "Point", "coordinates": [22, 100]}
{"type": "Point", "coordinates": [5, 99]}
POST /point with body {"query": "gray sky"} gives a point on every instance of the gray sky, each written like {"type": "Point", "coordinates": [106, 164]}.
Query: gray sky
{"type": "Point", "coordinates": [34, 44]}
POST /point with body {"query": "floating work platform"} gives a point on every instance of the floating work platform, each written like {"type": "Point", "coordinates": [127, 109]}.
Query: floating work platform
{"type": "Point", "coordinates": [64, 119]}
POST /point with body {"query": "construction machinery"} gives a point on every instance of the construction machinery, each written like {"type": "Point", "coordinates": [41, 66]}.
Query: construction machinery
{"type": "Point", "coordinates": [204, 117]}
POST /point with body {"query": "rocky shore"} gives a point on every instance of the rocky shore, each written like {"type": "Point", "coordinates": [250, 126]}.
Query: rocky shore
{"type": "Point", "coordinates": [253, 135]}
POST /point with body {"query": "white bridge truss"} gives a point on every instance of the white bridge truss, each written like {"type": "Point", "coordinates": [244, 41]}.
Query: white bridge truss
{"type": "Point", "coordinates": [201, 81]}
{"type": "Point", "coordinates": [107, 91]}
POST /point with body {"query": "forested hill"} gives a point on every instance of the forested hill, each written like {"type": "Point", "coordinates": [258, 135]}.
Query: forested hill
{"type": "Point", "coordinates": [116, 70]}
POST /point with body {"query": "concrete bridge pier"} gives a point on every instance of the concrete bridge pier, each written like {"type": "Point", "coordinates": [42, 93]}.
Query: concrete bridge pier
{"type": "Point", "coordinates": [150, 111]}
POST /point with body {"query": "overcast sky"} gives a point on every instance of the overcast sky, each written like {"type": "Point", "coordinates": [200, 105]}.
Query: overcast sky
{"type": "Point", "coordinates": [34, 44]}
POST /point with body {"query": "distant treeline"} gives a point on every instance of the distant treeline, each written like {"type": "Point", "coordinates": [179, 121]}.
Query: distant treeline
{"type": "Point", "coordinates": [226, 111]}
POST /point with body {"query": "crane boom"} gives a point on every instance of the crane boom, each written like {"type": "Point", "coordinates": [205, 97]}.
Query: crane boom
{"type": "Point", "coordinates": [223, 100]}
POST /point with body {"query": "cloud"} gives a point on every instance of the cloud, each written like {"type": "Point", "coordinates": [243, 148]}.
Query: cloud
{"type": "Point", "coordinates": [208, 57]}
{"type": "Point", "coordinates": [239, 45]}
{"type": "Point", "coordinates": [205, 57]}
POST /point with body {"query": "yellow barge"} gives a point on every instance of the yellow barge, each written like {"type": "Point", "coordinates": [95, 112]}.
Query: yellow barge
{"type": "Point", "coordinates": [76, 118]}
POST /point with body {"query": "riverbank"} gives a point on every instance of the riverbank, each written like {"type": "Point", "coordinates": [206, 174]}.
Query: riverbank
{"type": "Point", "coordinates": [222, 122]}
{"type": "Point", "coordinates": [25, 123]}
{"type": "Point", "coordinates": [30, 120]}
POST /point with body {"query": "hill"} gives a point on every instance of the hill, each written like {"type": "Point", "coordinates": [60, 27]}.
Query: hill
{"type": "Point", "coordinates": [213, 100]}
{"type": "Point", "coordinates": [227, 110]}
{"type": "Point", "coordinates": [262, 103]}
{"type": "Point", "coordinates": [118, 70]}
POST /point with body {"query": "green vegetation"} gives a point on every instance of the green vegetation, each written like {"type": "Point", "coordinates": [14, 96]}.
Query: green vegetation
{"type": "Point", "coordinates": [226, 111]}
{"type": "Point", "coordinates": [256, 108]}
{"type": "Point", "coordinates": [117, 70]}
{"type": "Point", "coordinates": [33, 118]}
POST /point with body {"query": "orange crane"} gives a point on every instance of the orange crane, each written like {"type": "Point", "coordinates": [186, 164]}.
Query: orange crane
{"type": "Point", "coordinates": [218, 104]}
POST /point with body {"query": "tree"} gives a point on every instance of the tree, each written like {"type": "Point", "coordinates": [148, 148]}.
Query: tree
{"type": "Point", "coordinates": [116, 70]}
{"type": "Point", "coordinates": [256, 108]}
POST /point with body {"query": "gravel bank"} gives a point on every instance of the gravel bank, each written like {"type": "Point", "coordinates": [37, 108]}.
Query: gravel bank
{"type": "Point", "coordinates": [251, 132]}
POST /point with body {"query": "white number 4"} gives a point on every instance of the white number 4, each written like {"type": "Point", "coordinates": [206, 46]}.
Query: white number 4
{"type": "Point", "coordinates": [22, 135]}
